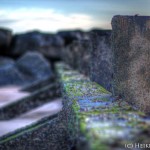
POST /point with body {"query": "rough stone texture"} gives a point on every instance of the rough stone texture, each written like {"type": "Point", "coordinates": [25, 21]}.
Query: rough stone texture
{"type": "Point", "coordinates": [32, 87]}
{"type": "Point", "coordinates": [94, 120]}
{"type": "Point", "coordinates": [48, 133]}
{"type": "Point", "coordinates": [9, 73]}
{"type": "Point", "coordinates": [84, 57]}
{"type": "Point", "coordinates": [77, 55]}
{"type": "Point", "coordinates": [70, 36]}
{"type": "Point", "coordinates": [131, 46]}
{"type": "Point", "coordinates": [5, 40]}
{"type": "Point", "coordinates": [34, 66]}
{"type": "Point", "coordinates": [6, 61]}
{"type": "Point", "coordinates": [48, 44]}
{"type": "Point", "coordinates": [101, 68]}
{"type": "Point", "coordinates": [30, 68]}
{"type": "Point", "coordinates": [69, 54]}
{"type": "Point", "coordinates": [27, 103]}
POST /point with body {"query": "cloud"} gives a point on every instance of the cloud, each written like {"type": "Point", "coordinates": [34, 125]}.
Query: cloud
{"type": "Point", "coordinates": [24, 19]}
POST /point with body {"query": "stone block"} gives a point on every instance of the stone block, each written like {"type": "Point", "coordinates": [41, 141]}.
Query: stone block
{"type": "Point", "coordinates": [101, 68]}
{"type": "Point", "coordinates": [131, 47]}
{"type": "Point", "coordinates": [77, 55]}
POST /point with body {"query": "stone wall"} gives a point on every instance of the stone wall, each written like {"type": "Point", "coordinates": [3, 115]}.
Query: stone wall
{"type": "Point", "coordinates": [92, 56]}
{"type": "Point", "coordinates": [95, 121]}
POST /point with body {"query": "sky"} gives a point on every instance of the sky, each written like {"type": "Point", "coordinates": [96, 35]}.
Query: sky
{"type": "Point", "coordinates": [55, 15]}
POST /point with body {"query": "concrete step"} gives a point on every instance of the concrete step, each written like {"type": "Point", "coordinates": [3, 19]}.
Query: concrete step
{"type": "Point", "coordinates": [94, 119]}
{"type": "Point", "coordinates": [46, 133]}
{"type": "Point", "coordinates": [30, 117]}
{"type": "Point", "coordinates": [38, 85]}
{"type": "Point", "coordinates": [15, 107]}
{"type": "Point", "coordinates": [10, 94]}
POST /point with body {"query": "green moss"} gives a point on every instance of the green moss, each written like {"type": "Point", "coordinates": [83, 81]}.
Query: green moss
{"type": "Point", "coordinates": [92, 112]}
{"type": "Point", "coordinates": [141, 113]}
{"type": "Point", "coordinates": [97, 145]}
{"type": "Point", "coordinates": [84, 88]}
{"type": "Point", "coordinates": [21, 133]}
{"type": "Point", "coordinates": [72, 89]}
{"type": "Point", "coordinates": [95, 142]}
{"type": "Point", "coordinates": [83, 127]}
{"type": "Point", "coordinates": [75, 106]}
{"type": "Point", "coordinates": [72, 77]}
{"type": "Point", "coordinates": [102, 99]}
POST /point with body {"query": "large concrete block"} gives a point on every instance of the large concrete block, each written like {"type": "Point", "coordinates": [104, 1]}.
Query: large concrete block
{"type": "Point", "coordinates": [77, 55]}
{"type": "Point", "coordinates": [131, 46]}
{"type": "Point", "coordinates": [101, 68]}
{"type": "Point", "coordinates": [84, 56]}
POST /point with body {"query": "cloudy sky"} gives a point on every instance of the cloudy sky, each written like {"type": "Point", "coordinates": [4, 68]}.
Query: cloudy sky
{"type": "Point", "coordinates": [54, 15]}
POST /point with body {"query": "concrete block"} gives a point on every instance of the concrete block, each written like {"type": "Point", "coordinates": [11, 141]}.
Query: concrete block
{"type": "Point", "coordinates": [101, 68]}
{"type": "Point", "coordinates": [131, 47]}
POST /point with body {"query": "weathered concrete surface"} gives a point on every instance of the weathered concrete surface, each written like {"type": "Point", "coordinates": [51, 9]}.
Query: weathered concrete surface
{"type": "Point", "coordinates": [131, 46]}
{"type": "Point", "coordinates": [94, 120]}
{"type": "Point", "coordinates": [92, 56]}
{"type": "Point", "coordinates": [10, 94]}
{"type": "Point", "coordinates": [29, 102]}
{"type": "Point", "coordinates": [48, 133]}
{"type": "Point", "coordinates": [50, 108]}
{"type": "Point", "coordinates": [101, 68]}
{"type": "Point", "coordinates": [84, 57]}
{"type": "Point", "coordinates": [38, 84]}
{"type": "Point", "coordinates": [77, 55]}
